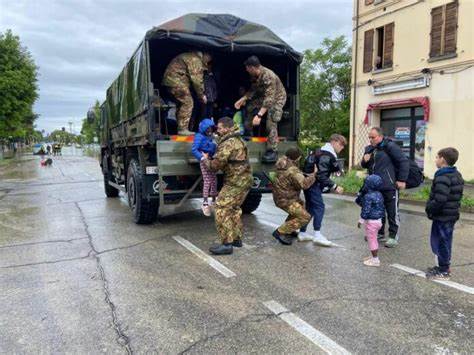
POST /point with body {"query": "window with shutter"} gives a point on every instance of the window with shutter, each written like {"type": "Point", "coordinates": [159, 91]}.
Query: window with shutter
{"type": "Point", "coordinates": [444, 25]}
{"type": "Point", "coordinates": [388, 46]}
{"type": "Point", "coordinates": [450, 28]}
{"type": "Point", "coordinates": [368, 50]}
{"type": "Point", "coordinates": [437, 21]}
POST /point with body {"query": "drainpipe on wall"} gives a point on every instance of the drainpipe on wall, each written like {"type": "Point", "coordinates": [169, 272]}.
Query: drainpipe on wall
{"type": "Point", "coordinates": [354, 97]}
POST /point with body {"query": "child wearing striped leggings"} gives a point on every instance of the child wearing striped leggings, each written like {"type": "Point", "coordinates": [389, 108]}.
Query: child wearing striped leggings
{"type": "Point", "coordinates": [203, 143]}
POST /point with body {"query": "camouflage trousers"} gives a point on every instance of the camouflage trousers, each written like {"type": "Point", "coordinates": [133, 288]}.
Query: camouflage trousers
{"type": "Point", "coordinates": [184, 107]}
{"type": "Point", "coordinates": [228, 212]}
{"type": "Point", "coordinates": [297, 218]}
{"type": "Point", "coordinates": [274, 116]}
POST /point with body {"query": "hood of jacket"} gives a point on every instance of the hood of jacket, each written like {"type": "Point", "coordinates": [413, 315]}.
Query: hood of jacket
{"type": "Point", "coordinates": [373, 183]}
{"type": "Point", "coordinates": [205, 125]}
{"type": "Point", "coordinates": [445, 170]}
{"type": "Point", "coordinates": [284, 163]}
{"type": "Point", "coordinates": [234, 132]}
{"type": "Point", "coordinates": [329, 148]}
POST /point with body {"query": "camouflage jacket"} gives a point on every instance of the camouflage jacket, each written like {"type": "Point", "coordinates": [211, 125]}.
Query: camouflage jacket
{"type": "Point", "coordinates": [268, 89]}
{"type": "Point", "coordinates": [233, 159]}
{"type": "Point", "coordinates": [289, 183]}
{"type": "Point", "coordinates": [185, 70]}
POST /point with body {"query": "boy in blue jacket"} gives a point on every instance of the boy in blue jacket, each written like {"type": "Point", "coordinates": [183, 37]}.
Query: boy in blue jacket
{"type": "Point", "coordinates": [373, 210]}
{"type": "Point", "coordinates": [203, 143]}
{"type": "Point", "coordinates": [443, 209]}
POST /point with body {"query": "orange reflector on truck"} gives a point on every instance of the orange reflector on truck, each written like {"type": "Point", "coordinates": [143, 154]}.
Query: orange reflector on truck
{"type": "Point", "coordinates": [182, 138]}
{"type": "Point", "coordinates": [259, 139]}
{"type": "Point", "coordinates": [191, 139]}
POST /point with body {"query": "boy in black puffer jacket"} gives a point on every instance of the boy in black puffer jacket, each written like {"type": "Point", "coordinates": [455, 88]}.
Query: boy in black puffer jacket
{"type": "Point", "coordinates": [443, 209]}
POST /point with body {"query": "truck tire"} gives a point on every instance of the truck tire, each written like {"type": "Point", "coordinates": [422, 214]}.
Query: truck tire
{"type": "Point", "coordinates": [110, 191]}
{"type": "Point", "coordinates": [252, 201]}
{"type": "Point", "coordinates": [144, 211]}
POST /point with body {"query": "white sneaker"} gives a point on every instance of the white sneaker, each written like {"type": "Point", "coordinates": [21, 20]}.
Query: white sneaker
{"type": "Point", "coordinates": [305, 237]}
{"type": "Point", "coordinates": [372, 262]}
{"type": "Point", "coordinates": [206, 209]}
{"type": "Point", "coordinates": [321, 240]}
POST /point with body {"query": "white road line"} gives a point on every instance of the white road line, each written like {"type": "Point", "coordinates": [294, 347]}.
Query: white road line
{"type": "Point", "coordinates": [274, 225]}
{"type": "Point", "coordinates": [202, 255]}
{"type": "Point", "coordinates": [318, 338]}
{"type": "Point", "coordinates": [419, 273]}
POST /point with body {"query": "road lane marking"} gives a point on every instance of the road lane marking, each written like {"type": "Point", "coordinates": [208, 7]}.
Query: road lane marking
{"type": "Point", "coordinates": [203, 256]}
{"type": "Point", "coordinates": [318, 338]}
{"type": "Point", "coordinates": [419, 273]}
{"type": "Point", "coordinates": [274, 225]}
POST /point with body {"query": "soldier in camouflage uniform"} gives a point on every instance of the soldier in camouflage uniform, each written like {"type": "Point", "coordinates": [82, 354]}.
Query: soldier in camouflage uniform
{"type": "Point", "coordinates": [184, 72]}
{"type": "Point", "coordinates": [232, 158]}
{"type": "Point", "coordinates": [267, 95]}
{"type": "Point", "coordinates": [286, 194]}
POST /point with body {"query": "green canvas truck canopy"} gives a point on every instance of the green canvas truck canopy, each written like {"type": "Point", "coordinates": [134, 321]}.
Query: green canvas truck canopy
{"type": "Point", "coordinates": [224, 32]}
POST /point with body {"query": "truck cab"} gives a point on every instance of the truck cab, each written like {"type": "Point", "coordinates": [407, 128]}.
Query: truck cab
{"type": "Point", "coordinates": [141, 153]}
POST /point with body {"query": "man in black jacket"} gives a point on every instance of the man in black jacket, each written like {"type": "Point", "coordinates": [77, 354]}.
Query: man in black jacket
{"type": "Point", "coordinates": [326, 161]}
{"type": "Point", "coordinates": [443, 208]}
{"type": "Point", "coordinates": [385, 159]}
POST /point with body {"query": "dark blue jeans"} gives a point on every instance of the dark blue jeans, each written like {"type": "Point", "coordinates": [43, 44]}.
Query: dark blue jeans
{"type": "Point", "coordinates": [314, 206]}
{"type": "Point", "coordinates": [441, 242]}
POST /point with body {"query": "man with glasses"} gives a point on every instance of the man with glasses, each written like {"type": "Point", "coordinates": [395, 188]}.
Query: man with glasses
{"type": "Point", "coordinates": [385, 158]}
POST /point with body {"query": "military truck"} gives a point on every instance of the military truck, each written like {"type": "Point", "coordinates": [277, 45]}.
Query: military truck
{"type": "Point", "coordinates": [141, 154]}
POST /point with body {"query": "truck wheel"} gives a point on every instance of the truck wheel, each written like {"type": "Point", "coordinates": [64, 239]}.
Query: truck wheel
{"type": "Point", "coordinates": [252, 201]}
{"type": "Point", "coordinates": [144, 211]}
{"type": "Point", "coordinates": [110, 191]}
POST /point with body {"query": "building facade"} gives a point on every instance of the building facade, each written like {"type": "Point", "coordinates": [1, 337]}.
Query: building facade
{"type": "Point", "coordinates": [413, 71]}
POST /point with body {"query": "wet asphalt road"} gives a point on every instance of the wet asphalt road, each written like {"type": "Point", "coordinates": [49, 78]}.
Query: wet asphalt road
{"type": "Point", "coordinates": [77, 276]}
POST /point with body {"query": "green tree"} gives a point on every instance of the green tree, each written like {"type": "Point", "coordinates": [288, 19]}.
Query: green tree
{"type": "Point", "coordinates": [62, 136]}
{"type": "Point", "coordinates": [18, 87]}
{"type": "Point", "coordinates": [91, 127]}
{"type": "Point", "coordinates": [325, 91]}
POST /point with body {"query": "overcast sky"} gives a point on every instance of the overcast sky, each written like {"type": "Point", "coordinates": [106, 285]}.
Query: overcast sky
{"type": "Point", "coordinates": [81, 46]}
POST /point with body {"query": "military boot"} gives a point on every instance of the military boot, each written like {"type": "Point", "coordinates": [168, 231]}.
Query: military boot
{"type": "Point", "coordinates": [270, 156]}
{"type": "Point", "coordinates": [282, 238]}
{"type": "Point", "coordinates": [222, 249]}
{"type": "Point", "coordinates": [185, 132]}
{"type": "Point", "coordinates": [237, 243]}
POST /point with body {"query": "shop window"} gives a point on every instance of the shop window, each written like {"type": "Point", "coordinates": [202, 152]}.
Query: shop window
{"type": "Point", "coordinates": [396, 113]}
{"type": "Point", "coordinates": [444, 27]}
{"type": "Point", "coordinates": [419, 111]}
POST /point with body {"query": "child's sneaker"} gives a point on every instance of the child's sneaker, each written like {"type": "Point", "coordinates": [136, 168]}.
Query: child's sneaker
{"type": "Point", "coordinates": [206, 209]}
{"type": "Point", "coordinates": [321, 240]}
{"type": "Point", "coordinates": [432, 269]}
{"type": "Point", "coordinates": [305, 237]}
{"type": "Point", "coordinates": [372, 262]}
{"type": "Point", "coordinates": [437, 274]}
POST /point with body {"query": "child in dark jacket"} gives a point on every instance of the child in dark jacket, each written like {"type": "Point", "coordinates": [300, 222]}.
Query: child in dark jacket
{"type": "Point", "coordinates": [443, 209]}
{"type": "Point", "coordinates": [203, 143]}
{"type": "Point", "coordinates": [371, 200]}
